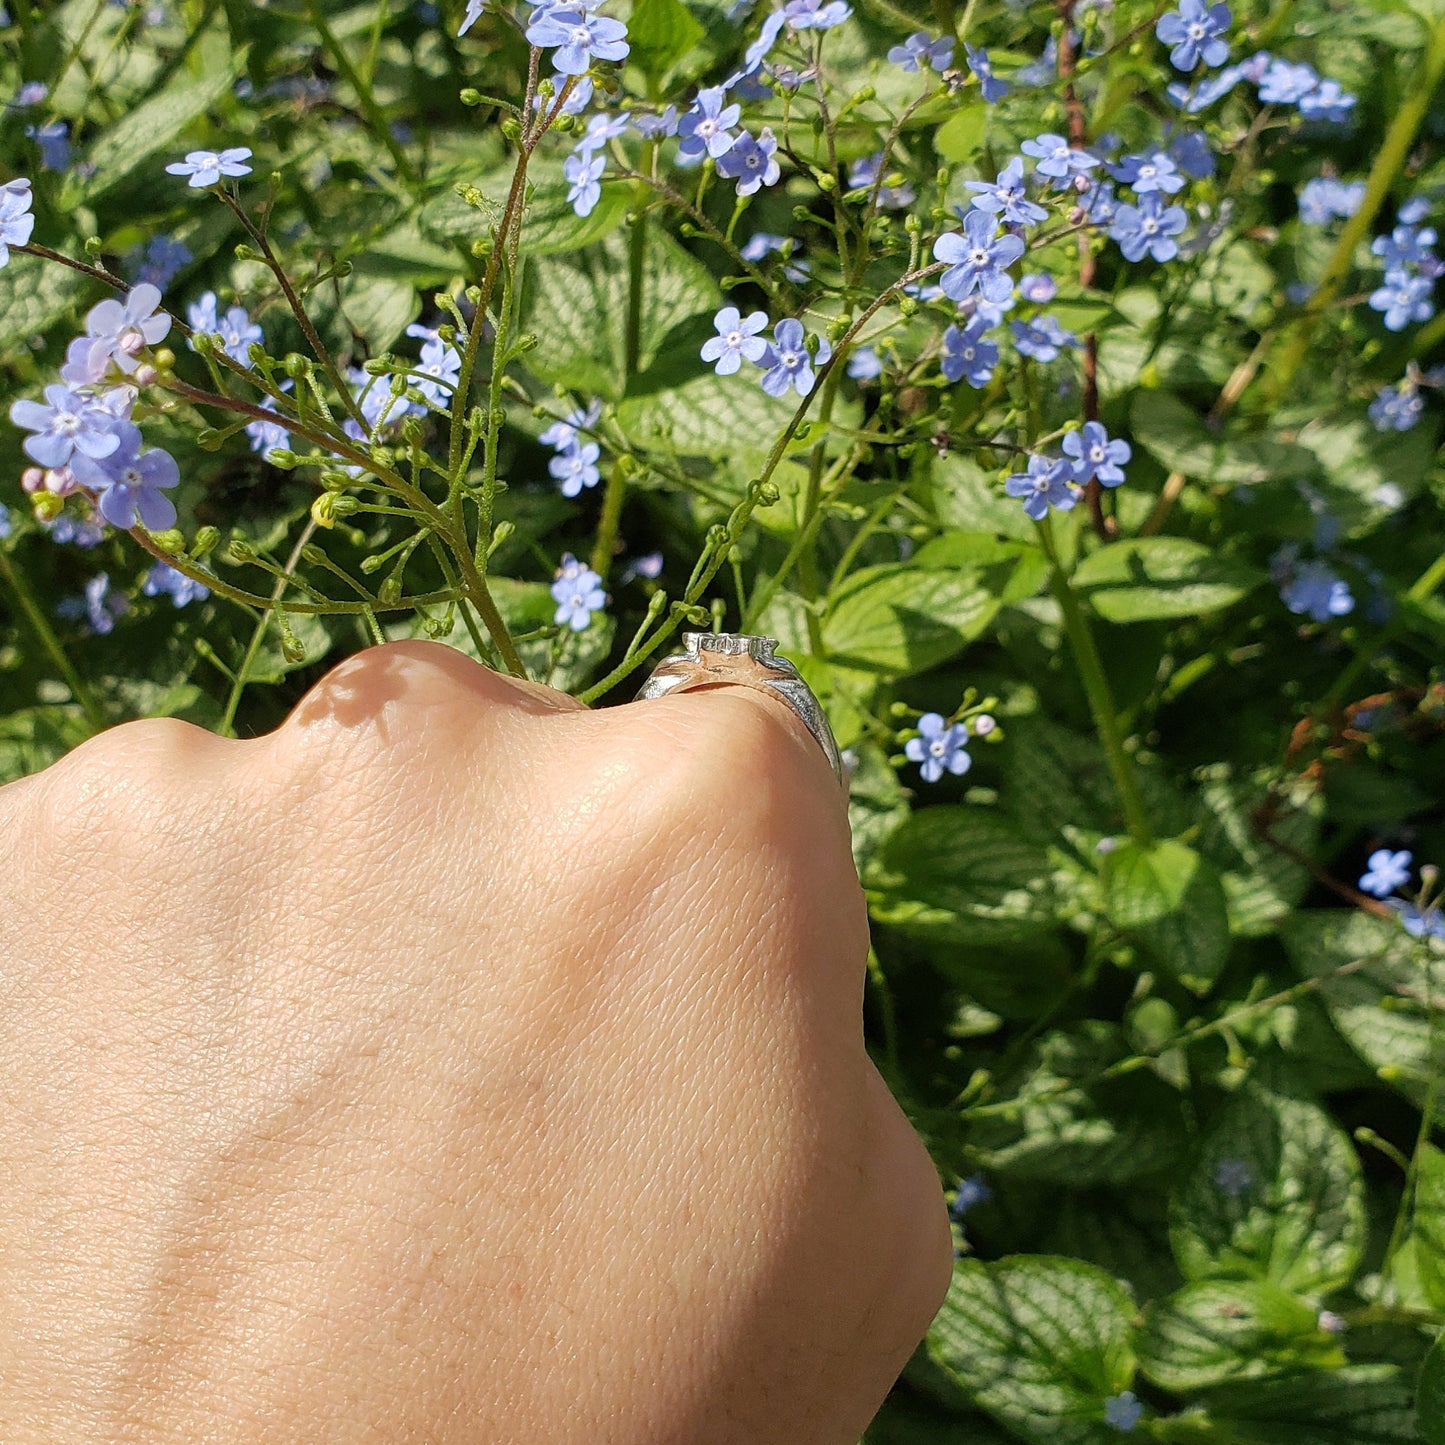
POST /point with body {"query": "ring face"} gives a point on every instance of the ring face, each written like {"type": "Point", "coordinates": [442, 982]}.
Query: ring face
{"type": "Point", "coordinates": [712, 658]}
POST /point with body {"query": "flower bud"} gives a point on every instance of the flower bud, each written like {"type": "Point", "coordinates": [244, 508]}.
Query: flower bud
{"type": "Point", "coordinates": [61, 481]}
{"type": "Point", "coordinates": [512, 128]}
{"type": "Point", "coordinates": [47, 506]}
{"type": "Point", "coordinates": [283, 459]}
{"type": "Point", "coordinates": [389, 593]}
{"type": "Point", "coordinates": [206, 540]}
{"type": "Point", "coordinates": [241, 550]}
{"type": "Point", "coordinates": [296, 366]}
{"type": "Point", "coordinates": [172, 540]}
{"type": "Point", "coordinates": [471, 96]}
{"type": "Point", "coordinates": [146, 375]}
{"type": "Point", "coordinates": [32, 479]}
{"type": "Point", "coordinates": [291, 648]}
{"type": "Point", "coordinates": [501, 533]}
{"type": "Point", "coordinates": [768, 494]}
{"type": "Point", "coordinates": [323, 510]}
{"type": "Point", "coordinates": [312, 554]}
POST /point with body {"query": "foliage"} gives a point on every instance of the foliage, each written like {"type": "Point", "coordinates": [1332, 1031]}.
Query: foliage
{"type": "Point", "coordinates": [1053, 380]}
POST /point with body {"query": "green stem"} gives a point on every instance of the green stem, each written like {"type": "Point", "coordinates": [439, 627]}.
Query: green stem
{"type": "Point", "coordinates": [1390, 163]}
{"type": "Point", "coordinates": [1101, 698]}
{"type": "Point", "coordinates": [40, 625]}
{"type": "Point", "coordinates": [610, 519]}
{"type": "Point", "coordinates": [367, 100]}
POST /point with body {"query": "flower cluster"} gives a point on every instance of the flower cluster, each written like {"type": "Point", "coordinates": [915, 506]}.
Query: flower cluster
{"type": "Point", "coordinates": [1090, 454]}
{"type": "Point", "coordinates": [1411, 270]}
{"type": "Point", "coordinates": [942, 747]}
{"type": "Point", "coordinates": [1386, 873]}
{"type": "Point", "coordinates": [578, 594]}
{"type": "Point", "coordinates": [785, 362]}
{"type": "Point", "coordinates": [575, 465]}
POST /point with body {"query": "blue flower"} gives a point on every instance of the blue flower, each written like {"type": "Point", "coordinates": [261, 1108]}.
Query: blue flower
{"type": "Point", "coordinates": [706, 129]}
{"type": "Point", "coordinates": [131, 484]}
{"type": "Point", "coordinates": [1097, 206]}
{"type": "Point", "coordinates": [1418, 924]}
{"type": "Point", "coordinates": [236, 329]}
{"type": "Point", "coordinates": [1042, 338]}
{"type": "Point", "coordinates": [992, 87]}
{"type": "Point", "coordinates": [16, 222]}
{"type": "Point", "coordinates": [1038, 288]}
{"type": "Point", "coordinates": [576, 467]}
{"type": "Point", "coordinates": [1006, 197]}
{"type": "Point", "coordinates": [205, 168]}
{"type": "Point", "coordinates": [649, 566]}
{"type": "Point", "coordinates": [1403, 299]}
{"type": "Point", "coordinates": [160, 261]}
{"type": "Point", "coordinates": [1397, 408]}
{"type": "Point", "coordinates": [31, 93]}
{"type": "Point", "coordinates": [1327, 102]}
{"type": "Point", "coordinates": [863, 175]}
{"type": "Point", "coordinates": [1286, 84]}
{"type": "Point", "coordinates": [1313, 588]}
{"type": "Point", "coordinates": [69, 422]}
{"type": "Point", "coordinates": [750, 162]}
{"type": "Point", "coordinates": [1047, 483]}
{"type": "Point", "coordinates": [1190, 151]}
{"type": "Point", "coordinates": [1323, 198]}
{"type": "Point", "coordinates": [1207, 92]}
{"type": "Point", "coordinates": [757, 52]}
{"type": "Point", "coordinates": [940, 748]}
{"type": "Point", "coordinates": [786, 361]}
{"type": "Point", "coordinates": [977, 259]}
{"type": "Point", "coordinates": [1154, 171]}
{"type": "Point", "coordinates": [53, 139]}
{"type": "Point", "coordinates": [578, 38]}
{"type": "Point", "coordinates": [865, 364]}
{"type": "Point", "coordinates": [1095, 455]}
{"type": "Point", "coordinates": [1123, 1411]}
{"type": "Point", "coordinates": [737, 339]}
{"type": "Point", "coordinates": [440, 365]}
{"type": "Point", "coordinates": [163, 578]}
{"type": "Point", "coordinates": [601, 129]}
{"type": "Point", "coordinates": [1196, 33]}
{"type": "Point", "coordinates": [654, 127]}
{"type": "Point", "coordinates": [564, 435]}
{"type": "Point", "coordinates": [474, 13]}
{"type": "Point", "coordinates": [816, 14]}
{"type": "Point", "coordinates": [1044, 70]}
{"type": "Point", "coordinates": [1405, 247]}
{"type": "Point", "coordinates": [577, 592]}
{"type": "Point", "coordinates": [918, 50]}
{"type": "Point", "coordinates": [1386, 872]}
{"type": "Point", "coordinates": [967, 355]}
{"type": "Point", "coordinates": [1413, 211]}
{"type": "Point", "coordinates": [970, 1192]}
{"type": "Point", "coordinates": [1148, 229]}
{"type": "Point", "coordinates": [99, 607]}
{"type": "Point", "coordinates": [5, 525]}
{"type": "Point", "coordinates": [120, 332]}
{"type": "Point", "coordinates": [760, 244]}
{"type": "Point", "coordinates": [1056, 158]}
{"type": "Point", "coordinates": [83, 531]}
{"type": "Point", "coordinates": [584, 171]}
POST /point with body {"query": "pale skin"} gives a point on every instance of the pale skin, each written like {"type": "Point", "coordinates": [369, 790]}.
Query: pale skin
{"type": "Point", "coordinates": [454, 1065]}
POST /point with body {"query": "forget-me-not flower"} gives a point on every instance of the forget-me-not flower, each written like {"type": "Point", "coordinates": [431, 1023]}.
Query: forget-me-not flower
{"type": "Point", "coordinates": [1405, 247]}
{"type": "Point", "coordinates": [863, 174]}
{"type": "Point", "coordinates": [981, 67]}
{"type": "Point", "coordinates": [16, 222]}
{"type": "Point", "coordinates": [577, 592]}
{"type": "Point", "coordinates": [1191, 152]}
{"type": "Point", "coordinates": [119, 332]}
{"type": "Point", "coordinates": [1323, 198]}
{"type": "Point", "coordinates": [1123, 1411]}
{"type": "Point", "coordinates": [205, 168]}
{"type": "Point", "coordinates": [563, 435]}
{"type": "Point", "coordinates": [583, 171]}
{"type": "Point", "coordinates": [1056, 158]}
{"type": "Point", "coordinates": [707, 127]}
{"type": "Point", "coordinates": [1042, 338]}
{"type": "Point", "coordinates": [1152, 171]}
{"type": "Point", "coordinates": [1397, 408]}
{"type": "Point", "coordinates": [576, 468]}
{"type": "Point", "coordinates": [968, 355]}
{"type": "Point", "coordinates": [1148, 228]}
{"type": "Point", "coordinates": [1207, 92]}
{"type": "Point", "coordinates": [1094, 454]}
{"type": "Point", "coordinates": [5, 526]}
{"type": "Point", "coordinates": [942, 747]}
{"type": "Point", "coordinates": [751, 163]}
{"type": "Point", "coordinates": [1403, 299]}
{"type": "Point", "coordinates": [1196, 32]}
{"type": "Point", "coordinates": [1427, 924]}
{"type": "Point", "coordinates": [1039, 287]}
{"type": "Point", "coordinates": [1047, 483]}
{"type": "Point", "coordinates": [1313, 588]}
{"type": "Point", "coordinates": [165, 579]}
{"type": "Point", "coordinates": [131, 483]}
{"type": "Point", "coordinates": [918, 51]}
{"type": "Point", "coordinates": [864, 364]}
{"type": "Point", "coordinates": [1286, 84]}
{"type": "Point", "coordinates": [968, 1194]}
{"type": "Point", "coordinates": [98, 608]}
{"type": "Point", "coordinates": [1386, 871]}
{"type": "Point", "coordinates": [737, 339]}
{"type": "Point", "coordinates": [977, 259]}
{"type": "Point", "coordinates": [53, 138]}
{"type": "Point", "coordinates": [1006, 197]}
{"type": "Point", "coordinates": [786, 362]}
{"type": "Point", "coordinates": [160, 260]}
{"type": "Point", "coordinates": [577, 38]}
{"type": "Point", "coordinates": [1328, 102]}
{"type": "Point", "coordinates": [69, 422]}
{"type": "Point", "coordinates": [474, 13]}
{"type": "Point", "coordinates": [816, 14]}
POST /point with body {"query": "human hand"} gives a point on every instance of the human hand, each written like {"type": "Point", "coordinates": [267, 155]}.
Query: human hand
{"type": "Point", "coordinates": [454, 1064]}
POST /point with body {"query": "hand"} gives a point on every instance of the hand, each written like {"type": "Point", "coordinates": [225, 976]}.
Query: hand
{"type": "Point", "coordinates": [455, 1064]}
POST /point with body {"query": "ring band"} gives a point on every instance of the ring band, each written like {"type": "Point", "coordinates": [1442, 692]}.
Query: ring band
{"type": "Point", "coordinates": [713, 658]}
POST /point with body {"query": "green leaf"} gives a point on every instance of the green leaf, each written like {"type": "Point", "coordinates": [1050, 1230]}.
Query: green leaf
{"type": "Point", "coordinates": [1177, 436]}
{"type": "Point", "coordinates": [1428, 1223]}
{"type": "Point", "coordinates": [1358, 1405]}
{"type": "Point", "coordinates": [661, 32]}
{"type": "Point", "coordinates": [33, 738]}
{"type": "Point", "coordinates": [550, 227]}
{"type": "Point", "coordinates": [1276, 1196]}
{"type": "Point", "coordinates": [155, 123]}
{"type": "Point", "coordinates": [1169, 898]}
{"type": "Point", "coordinates": [961, 875]}
{"type": "Point", "coordinates": [1430, 1396]}
{"type": "Point", "coordinates": [1085, 311]}
{"type": "Point", "coordinates": [900, 618]}
{"type": "Point", "coordinates": [1151, 577]}
{"type": "Point", "coordinates": [578, 308]}
{"type": "Point", "coordinates": [1373, 985]}
{"type": "Point", "coordinates": [34, 295]}
{"type": "Point", "coordinates": [707, 416]}
{"type": "Point", "coordinates": [1222, 1330]}
{"type": "Point", "coordinates": [1038, 1342]}
{"type": "Point", "coordinates": [380, 309]}
{"type": "Point", "coordinates": [960, 137]}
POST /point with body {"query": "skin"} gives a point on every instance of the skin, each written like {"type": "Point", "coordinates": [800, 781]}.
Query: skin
{"type": "Point", "coordinates": [454, 1064]}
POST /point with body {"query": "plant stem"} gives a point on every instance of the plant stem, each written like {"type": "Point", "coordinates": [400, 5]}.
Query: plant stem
{"type": "Point", "coordinates": [40, 625]}
{"type": "Point", "coordinates": [1101, 698]}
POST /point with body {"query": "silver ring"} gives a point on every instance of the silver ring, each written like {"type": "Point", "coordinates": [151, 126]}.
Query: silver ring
{"type": "Point", "coordinates": [713, 658]}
